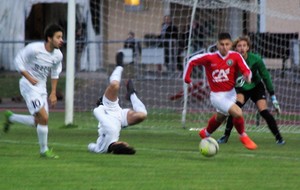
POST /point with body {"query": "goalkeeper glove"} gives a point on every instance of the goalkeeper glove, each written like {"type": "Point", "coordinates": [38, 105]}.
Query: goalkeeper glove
{"type": "Point", "coordinates": [240, 81]}
{"type": "Point", "coordinates": [275, 104]}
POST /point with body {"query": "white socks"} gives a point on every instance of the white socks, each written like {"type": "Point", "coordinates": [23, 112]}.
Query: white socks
{"type": "Point", "coordinates": [23, 119]}
{"type": "Point", "coordinates": [42, 132]}
{"type": "Point", "coordinates": [116, 74]}
{"type": "Point", "coordinates": [137, 104]}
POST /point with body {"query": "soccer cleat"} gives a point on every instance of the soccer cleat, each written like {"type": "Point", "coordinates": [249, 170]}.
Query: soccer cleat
{"type": "Point", "coordinates": [248, 143]}
{"type": "Point", "coordinates": [130, 89]}
{"type": "Point", "coordinates": [223, 139]}
{"type": "Point", "coordinates": [7, 123]}
{"type": "Point", "coordinates": [202, 133]}
{"type": "Point", "coordinates": [49, 154]}
{"type": "Point", "coordinates": [119, 59]}
{"type": "Point", "coordinates": [280, 142]}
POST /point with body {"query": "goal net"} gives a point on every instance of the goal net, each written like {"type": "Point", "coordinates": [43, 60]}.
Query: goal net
{"type": "Point", "coordinates": [156, 56]}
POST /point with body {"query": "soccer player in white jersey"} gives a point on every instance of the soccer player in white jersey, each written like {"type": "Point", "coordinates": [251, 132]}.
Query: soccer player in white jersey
{"type": "Point", "coordinates": [222, 68]}
{"type": "Point", "coordinates": [35, 62]}
{"type": "Point", "coordinates": [112, 117]}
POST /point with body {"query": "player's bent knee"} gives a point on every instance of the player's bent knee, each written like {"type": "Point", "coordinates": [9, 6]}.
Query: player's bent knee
{"type": "Point", "coordinates": [236, 111]}
{"type": "Point", "coordinates": [41, 119]}
{"type": "Point", "coordinates": [143, 116]}
{"type": "Point", "coordinates": [135, 117]}
{"type": "Point", "coordinates": [114, 85]}
{"type": "Point", "coordinates": [139, 117]}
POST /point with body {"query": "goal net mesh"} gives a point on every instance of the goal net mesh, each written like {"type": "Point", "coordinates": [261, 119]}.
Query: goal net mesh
{"type": "Point", "coordinates": [155, 60]}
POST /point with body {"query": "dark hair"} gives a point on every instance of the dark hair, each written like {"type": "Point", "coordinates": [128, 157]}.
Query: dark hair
{"type": "Point", "coordinates": [51, 30]}
{"type": "Point", "coordinates": [120, 148]}
{"type": "Point", "coordinates": [224, 36]}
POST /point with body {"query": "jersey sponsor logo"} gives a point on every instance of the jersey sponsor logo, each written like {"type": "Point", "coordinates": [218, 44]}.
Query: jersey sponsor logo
{"type": "Point", "coordinates": [42, 69]}
{"type": "Point", "coordinates": [229, 62]}
{"type": "Point", "coordinates": [220, 75]}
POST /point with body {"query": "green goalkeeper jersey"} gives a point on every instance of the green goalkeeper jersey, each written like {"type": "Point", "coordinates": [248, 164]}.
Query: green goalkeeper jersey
{"type": "Point", "coordinates": [259, 73]}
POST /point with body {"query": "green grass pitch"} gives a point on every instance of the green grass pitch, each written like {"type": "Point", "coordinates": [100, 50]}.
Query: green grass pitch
{"type": "Point", "coordinates": [167, 158]}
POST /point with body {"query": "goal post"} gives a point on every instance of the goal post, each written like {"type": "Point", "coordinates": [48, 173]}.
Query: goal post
{"type": "Point", "coordinates": [185, 86]}
{"type": "Point", "coordinates": [156, 59]}
{"type": "Point", "coordinates": [69, 106]}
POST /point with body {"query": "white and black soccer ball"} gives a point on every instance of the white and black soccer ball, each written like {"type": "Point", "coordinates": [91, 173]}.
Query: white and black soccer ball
{"type": "Point", "coordinates": [208, 147]}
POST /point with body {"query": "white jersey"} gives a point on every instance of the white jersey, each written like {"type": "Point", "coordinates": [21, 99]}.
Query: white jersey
{"type": "Point", "coordinates": [38, 62]}
{"type": "Point", "coordinates": [111, 119]}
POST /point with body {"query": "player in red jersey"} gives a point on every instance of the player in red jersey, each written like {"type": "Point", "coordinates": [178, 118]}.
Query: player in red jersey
{"type": "Point", "coordinates": [222, 68]}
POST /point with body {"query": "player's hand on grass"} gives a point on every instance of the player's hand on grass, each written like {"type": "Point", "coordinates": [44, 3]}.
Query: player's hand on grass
{"type": "Point", "coordinates": [275, 104]}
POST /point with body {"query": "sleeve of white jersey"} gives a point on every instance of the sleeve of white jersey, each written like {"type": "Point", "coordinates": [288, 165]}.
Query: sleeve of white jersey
{"type": "Point", "coordinates": [22, 58]}
{"type": "Point", "coordinates": [57, 68]}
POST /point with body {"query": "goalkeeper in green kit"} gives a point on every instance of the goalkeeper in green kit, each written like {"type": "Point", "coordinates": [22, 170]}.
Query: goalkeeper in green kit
{"type": "Point", "coordinates": [254, 90]}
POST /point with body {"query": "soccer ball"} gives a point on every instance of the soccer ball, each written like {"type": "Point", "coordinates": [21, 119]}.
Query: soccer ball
{"type": "Point", "coordinates": [208, 147]}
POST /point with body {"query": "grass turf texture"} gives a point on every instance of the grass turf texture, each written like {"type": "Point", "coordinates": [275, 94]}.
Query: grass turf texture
{"type": "Point", "coordinates": [167, 158]}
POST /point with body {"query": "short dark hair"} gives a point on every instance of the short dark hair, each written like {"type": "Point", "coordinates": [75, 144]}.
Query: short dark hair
{"type": "Point", "coordinates": [51, 29]}
{"type": "Point", "coordinates": [224, 36]}
{"type": "Point", "coordinates": [120, 148]}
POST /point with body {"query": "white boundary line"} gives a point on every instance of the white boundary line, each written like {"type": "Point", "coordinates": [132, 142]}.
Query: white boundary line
{"type": "Point", "coordinates": [250, 155]}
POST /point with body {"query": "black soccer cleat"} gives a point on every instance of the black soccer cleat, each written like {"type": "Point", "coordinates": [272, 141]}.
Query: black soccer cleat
{"type": "Point", "coordinates": [119, 59]}
{"type": "Point", "coordinates": [223, 139]}
{"type": "Point", "coordinates": [280, 142]}
{"type": "Point", "coordinates": [130, 89]}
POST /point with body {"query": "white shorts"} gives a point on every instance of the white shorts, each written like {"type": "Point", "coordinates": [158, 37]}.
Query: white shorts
{"type": "Point", "coordinates": [34, 97]}
{"type": "Point", "coordinates": [111, 119]}
{"type": "Point", "coordinates": [114, 109]}
{"type": "Point", "coordinates": [223, 101]}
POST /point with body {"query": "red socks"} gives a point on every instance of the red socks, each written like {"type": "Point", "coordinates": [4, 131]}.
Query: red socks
{"type": "Point", "coordinates": [213, 124]}
{"type": "Point", "coordinates": [239, 124]}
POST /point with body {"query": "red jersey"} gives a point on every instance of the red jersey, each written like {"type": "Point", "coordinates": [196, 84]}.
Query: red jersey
{"type": "Point", "coordinates": [221, 72]}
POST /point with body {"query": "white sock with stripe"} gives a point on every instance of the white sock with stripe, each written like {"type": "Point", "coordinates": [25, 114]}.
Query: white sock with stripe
{"type": "Point", "coordinates": [23, 119]}
{"type": "Point", "coordinates": [116, 74]}
{"type": "Point", "coordinates": [137, 104]}
{"type": "Point", "coordinates": [42, 132]}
